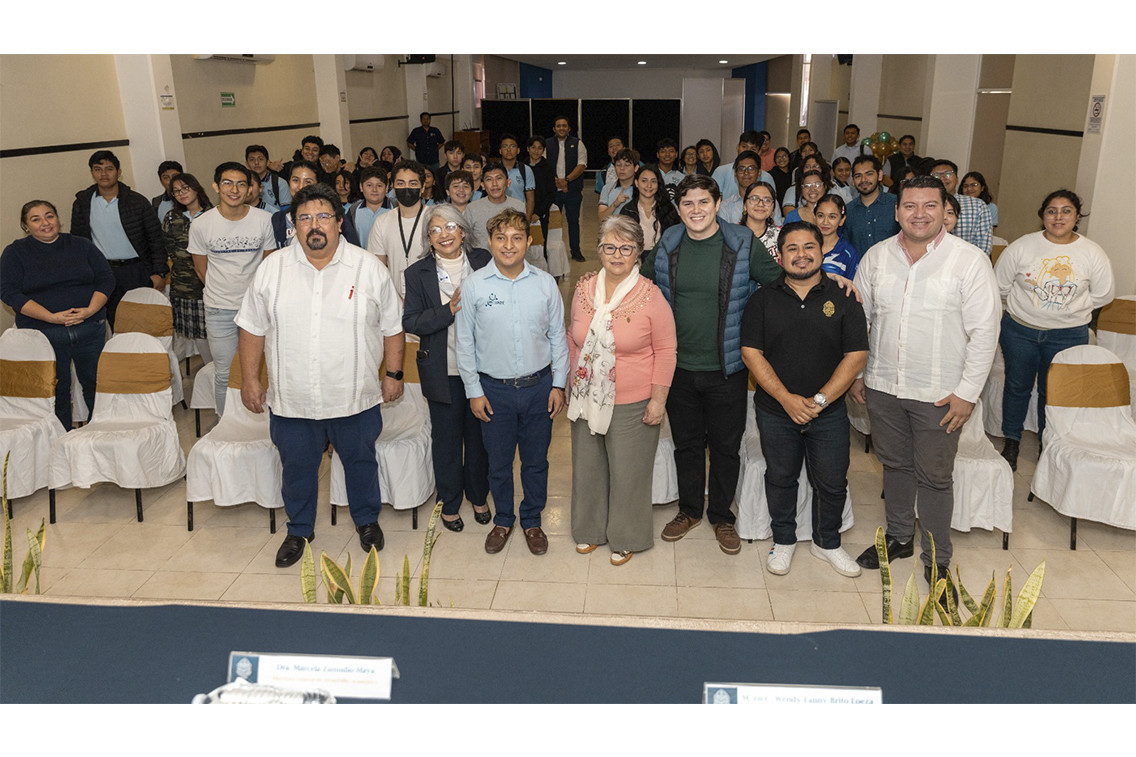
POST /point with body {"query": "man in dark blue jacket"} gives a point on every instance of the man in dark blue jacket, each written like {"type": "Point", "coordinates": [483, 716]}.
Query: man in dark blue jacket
{"type": "Point", "coordinates": [568, 157]}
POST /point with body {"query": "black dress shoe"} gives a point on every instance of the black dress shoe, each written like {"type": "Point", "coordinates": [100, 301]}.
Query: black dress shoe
{"type": "Point", "coordinates": [896, 549]}
{"type": "Point", "coordinates": [1010, 452]}
{"type": "Point", "coordinates": [484, 517]}
{"type": "Point", "coordinates": [292, 550]}
{"type": "Point", "coordinates": [370, 535]}
{"type": "Point", "coordinates": [578, 257]}
{"type": "Point", "coordinates": [453, 525]}
{"type": "Point", "coordinates": [944, 572]}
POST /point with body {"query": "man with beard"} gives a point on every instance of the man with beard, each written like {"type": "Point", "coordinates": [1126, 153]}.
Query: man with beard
{"type": "Point", "coordinates": [799, 400]}
{"type": "Point", "coordinates": [324, 389]}
{"type": "Point", "coordinates": [870, 218]}
{"type": "Point", "coordinates": [397, 237]}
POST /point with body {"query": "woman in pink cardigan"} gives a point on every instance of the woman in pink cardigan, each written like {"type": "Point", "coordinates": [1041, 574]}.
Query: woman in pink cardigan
{"type": "Point", "coordinates": [622, 347]}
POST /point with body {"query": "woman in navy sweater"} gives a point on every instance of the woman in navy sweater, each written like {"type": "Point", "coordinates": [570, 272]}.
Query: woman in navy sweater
{"type": "Point", "coordinates": [59, 284]}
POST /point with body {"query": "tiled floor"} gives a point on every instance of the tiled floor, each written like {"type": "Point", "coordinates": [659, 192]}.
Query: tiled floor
{"type": "Point", "coordinates": [97, 549]}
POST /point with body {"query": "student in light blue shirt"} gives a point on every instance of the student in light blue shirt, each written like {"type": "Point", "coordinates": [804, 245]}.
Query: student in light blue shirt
{"type": "Point", "coordinates": [618, 193]}
{"type": "Point", "coordinates": [373, 183]}
{"type": "Point", "coordinates": [164, 202]}
{"type": "Point", "coordinates": [522, 181]}
{"type": "Point", "coordinates": [512, 354]}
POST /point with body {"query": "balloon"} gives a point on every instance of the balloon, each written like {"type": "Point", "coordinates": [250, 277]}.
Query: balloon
{"type": "Point", "coordinates": [884, 136]}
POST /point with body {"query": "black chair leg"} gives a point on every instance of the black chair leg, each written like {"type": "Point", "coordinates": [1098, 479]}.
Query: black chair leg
{"type": "Point", "coordinates": [197, 422]}
{"type": "Point", "coordinates": [881, 493]}
{"type": "Point", "coordinates": [867, 443]}
{"type": "Point", "coordinates": [1005, 541]}
{"type": "Point", "coordinates": [138, 502]}
{"type": "Point", "coordinates": [51, 505]}
{"type": "Point", "coordinates": [188, 515]}
{"type": "Point", "coordinates": [187, 367]}
{"type": "Point", "coordinates": [184, 406]}
{"type": "Point", "coordinates": [1073, 534]}
{"type": "Point", "coordinates": [414, 519]}
{"type": "Point", "coordinates": [1030, 497]}
{"type": "Point", "coordinates": [272, 520]}
{"type": "Point", "coordinates": [333, 515]}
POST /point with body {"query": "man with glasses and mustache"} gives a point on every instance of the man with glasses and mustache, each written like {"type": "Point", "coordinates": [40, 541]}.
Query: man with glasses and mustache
{"type": "Point", "coordinates": [324, 313]}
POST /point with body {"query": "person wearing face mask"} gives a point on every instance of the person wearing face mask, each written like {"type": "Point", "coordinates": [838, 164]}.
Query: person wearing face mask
{"type": "Point", "coordinates": [58, 284]}
{"type": "Point", "coordinates": [397, 237]}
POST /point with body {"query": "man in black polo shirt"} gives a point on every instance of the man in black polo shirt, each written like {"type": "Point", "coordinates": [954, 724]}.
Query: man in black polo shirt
{"type": "Point", "coordinates": [804, 342]}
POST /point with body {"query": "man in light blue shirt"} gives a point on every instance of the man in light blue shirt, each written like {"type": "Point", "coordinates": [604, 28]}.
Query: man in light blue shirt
{"type": "Point", "coordinates": [749, 141]}
{"type": "Point", "coordinates": [522, 180]}
{"type": "Point", "coordinates": [746, 171]}
{"type": "Point", "coordinates": [512, 354]}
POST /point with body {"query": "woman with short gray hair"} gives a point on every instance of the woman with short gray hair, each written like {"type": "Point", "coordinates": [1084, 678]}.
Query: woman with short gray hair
{"type": "Point", "coordinates": [622, 345]}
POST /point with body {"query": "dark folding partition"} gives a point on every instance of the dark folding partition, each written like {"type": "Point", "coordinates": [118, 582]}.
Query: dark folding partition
{"type": "Point", "coordinates": [651, 120]}
{"type": "Point", "coordinates": [545, 113]}
{"type": "Point", "coordinates": [500, 117]}
{"type": "Point", "coordinates": [600, 121]}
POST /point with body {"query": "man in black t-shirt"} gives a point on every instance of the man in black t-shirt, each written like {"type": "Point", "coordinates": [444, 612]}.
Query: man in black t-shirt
{"type": "Point", "coordinates": [804, 342]}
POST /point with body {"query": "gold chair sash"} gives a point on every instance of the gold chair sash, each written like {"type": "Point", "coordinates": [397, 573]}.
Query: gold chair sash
{"type": "Point", "coordinates": [27, 378]}
{"type": "Point", "coordinates": [235, 372]}
{"type": "Point", "coordinates": [1072, 385]}
{"type": "Point", "coordinates": [155, 320]}
{"type": "Point", "coordinates": [133, 372]}
{"type": "Point", "coordinates": [1118, 316]}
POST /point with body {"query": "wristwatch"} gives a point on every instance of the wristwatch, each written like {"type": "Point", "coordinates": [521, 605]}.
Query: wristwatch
{"type": "Point", "coordinates": [396, 375]}
{"type": "Point", "coordinates": [820, 399]}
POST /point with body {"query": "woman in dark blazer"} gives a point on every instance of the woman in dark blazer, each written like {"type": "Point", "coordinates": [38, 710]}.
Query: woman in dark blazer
{"type": "Point", "coordinates": [433, 297]}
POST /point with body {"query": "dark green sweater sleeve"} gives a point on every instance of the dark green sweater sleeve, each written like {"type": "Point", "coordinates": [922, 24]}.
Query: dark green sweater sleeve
{"type": "Point", "coordinates": [762, 267]}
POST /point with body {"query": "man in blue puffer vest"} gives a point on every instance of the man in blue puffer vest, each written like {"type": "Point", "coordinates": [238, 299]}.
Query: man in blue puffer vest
{"type": "Point", "coordinates": [707, 269]}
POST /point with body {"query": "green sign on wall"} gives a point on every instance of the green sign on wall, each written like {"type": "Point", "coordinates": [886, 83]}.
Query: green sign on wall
{"type": "Point", "coordinates": [228, 100]}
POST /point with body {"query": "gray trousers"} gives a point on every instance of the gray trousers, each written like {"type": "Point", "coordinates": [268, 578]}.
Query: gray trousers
{"type": "Point", "coordinates": [611, 481]}
{"type": "Point", "coordinates": [918, 456]}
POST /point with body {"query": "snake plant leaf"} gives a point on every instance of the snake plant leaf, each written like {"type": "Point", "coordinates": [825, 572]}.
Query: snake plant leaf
{"type": "Point", "coordinates": [927, 611]}
{"type": "Point", "coordinates": [338, 578]}
{"type": "Point", "coordinates": [885, 574]}
{"type": "Point", "coordinates": [6, 566]}
{"type": "Point", "coordinates": [369, 577]}
{"type": "Point", "coordinates": [308, 574]}
{"type": "Point", "coordinates": [347, 568]}
{"type": "Point", "coordinates": [952, 606]}
{"type": "Point", "coordinates": [406, 580]}
{"type": "Point", "coordinates": [34, 558]}
{"type": "Point", "coordinates": [427, 551]}
{"type": "Point", "coordinates": [964, 595]}
{"type": "Point", "coordinates": [987, 606]}
{"type": "Point", "coordinates": [1028, 596]}
{"type": "Point", "coordinates": [909, 604]}
{"type": "Point", "coordinates": [944, 617]}
{"type": "Point", "coordinates": [334, 593]}
{"type": "Point", "coordinates": [1003, 619]}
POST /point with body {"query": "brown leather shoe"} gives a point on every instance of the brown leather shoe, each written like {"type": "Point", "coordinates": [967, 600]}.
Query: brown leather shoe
{"type": "Point", "coordinates": [537, 541]}
{"type": "Point", "coordinates": [495, 541]}
{"type": "Point", "coordinates": [728, 539]}
{"type": "Point", "coordinates": [678, 527]}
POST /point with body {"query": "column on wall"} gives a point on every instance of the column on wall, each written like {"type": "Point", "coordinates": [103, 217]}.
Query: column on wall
{"type": "Point", "coordinates": [331, 101]}
{"type": "Point", "coordinates": [152, 124]}
{"type": "Point", "coordinates": [864, 97]}
{"type": "Point", "coordinates": [949, 102]}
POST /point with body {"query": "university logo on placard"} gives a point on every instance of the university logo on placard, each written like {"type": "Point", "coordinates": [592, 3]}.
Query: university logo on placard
{"type": "Point", "coordinates": [829, 309]}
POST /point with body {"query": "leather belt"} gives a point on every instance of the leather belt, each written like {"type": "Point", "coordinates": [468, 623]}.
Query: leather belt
{"type": "Point", "coordinates": [520, 382]}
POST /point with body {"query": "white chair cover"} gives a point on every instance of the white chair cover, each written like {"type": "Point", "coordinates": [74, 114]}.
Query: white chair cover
{"type": "Point", "coordinates": [1115, 333]}
{"type": "Point", "coordinates": [202, 396]}
{"type": "Point", "coordinates": [558, 263]}
{"type": "Point", "coordinates": [406, 471]}
{"type": "Point", "coordinates": [151, 296]}
{"type": "Point", "coordinates": [236, 462]}
{"type": "Point", "coordinates": [992, 399]}
{"type": "Point", "coordinates": [983, 482]}
{"type": "Point", "coordinates": [1088, 465]}
{"type": "Point", "coordinates": [132, 439]}
{"type": "Point", "coordinates": [858, 416]}
{"type": "Point", "coordinates": [184, 348]}
{"type": "Point", "coordinates": [28, 425]}
{"type": "Point", "coordinates": [753, 509]}
{"type": "Point", "coordinates": [664, 478]}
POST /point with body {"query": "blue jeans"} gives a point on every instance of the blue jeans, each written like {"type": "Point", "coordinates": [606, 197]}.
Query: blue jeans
{"type": "Point", "coordinates": [223, 334]}
{"type": "Point", "coordinates": [1028, 353]}
{"type": "Point", "coordinates": [519, 423]}
{"type": "Point", "coordinates": [301, 442]}
{"type": "Point", "coordinates": [569, 203]}
{"type": "Point", "coordinates": [823, 447]}
{"type": "Point", "coordinates": [81, 344]}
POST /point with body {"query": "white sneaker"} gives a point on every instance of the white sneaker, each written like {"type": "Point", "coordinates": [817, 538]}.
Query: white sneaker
{"type": "Point", "coordinates": [779, 558]}
{"type": "Point", "coordinates": [840, 560]}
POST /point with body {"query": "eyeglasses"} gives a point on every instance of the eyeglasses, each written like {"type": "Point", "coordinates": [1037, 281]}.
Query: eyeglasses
{"type": "Point", "coordinates": [229, 184]}
{"type": "Point", "coordinates": [449, 228]}
{"type": "Point", "coordinates": [181, 190]}
{"type": "Point", "coordinates": [760, 200]}
{"type": "Point", "coordinates": [320, 218]}
{"type": "Point", "coordinates": [940, 175]}
{"type": "Point", "coordinates": [746, 169]}
{"type": "Point", "coordinates": [812, 185]}
{"type": "Point", "coordinates": [1065, 211]}
{"type": "Point", "coordinates": [971, 185]}
{"type": "Point", "coordinates": [612, 250]}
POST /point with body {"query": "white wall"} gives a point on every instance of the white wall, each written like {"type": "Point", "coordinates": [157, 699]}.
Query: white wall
{"type": "Point", "coordinates": [645, 83]}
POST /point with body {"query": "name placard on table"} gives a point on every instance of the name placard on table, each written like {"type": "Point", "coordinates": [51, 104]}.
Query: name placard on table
{"type": "Point", "coordinates": [771, 693]}
{"type": "Point", "coordinates": [349, 677]}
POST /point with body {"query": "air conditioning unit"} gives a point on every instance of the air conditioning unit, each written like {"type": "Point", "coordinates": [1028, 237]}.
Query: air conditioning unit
{"type": "Point", "coordinates": [435, 70]}
{"type": "Point", "coordinates": [364, 62]}
{"type": "Point", "coordinates": [254, 59]}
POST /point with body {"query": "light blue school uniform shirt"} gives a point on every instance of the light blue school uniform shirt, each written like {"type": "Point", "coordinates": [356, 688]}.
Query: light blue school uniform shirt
{"type": "Point", "coordinates": [107, 232]}
{"type": "Point", "coordinates": [518, 185]}
{"type": "Point", "coordinates": [508, 328]}
{"type": "Point", "coordinates": [728, 183]}
{"type": "Point", "coordinates": [611, 191]}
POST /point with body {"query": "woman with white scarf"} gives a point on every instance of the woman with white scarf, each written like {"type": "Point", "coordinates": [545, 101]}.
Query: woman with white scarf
{"type": "Point", "coordinates": [621, 344]}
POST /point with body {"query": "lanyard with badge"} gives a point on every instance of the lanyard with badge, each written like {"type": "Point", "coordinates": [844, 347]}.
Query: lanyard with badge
{"type": "Point", "coordinates": [413, 230]}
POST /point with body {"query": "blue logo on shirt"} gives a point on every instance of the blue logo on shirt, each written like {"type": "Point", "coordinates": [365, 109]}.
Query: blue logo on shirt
{"type": "Point", "coordinates": [493, 300]}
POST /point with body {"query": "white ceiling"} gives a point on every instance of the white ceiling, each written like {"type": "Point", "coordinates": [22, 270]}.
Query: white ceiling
{"type": "Point", "coordinates": [584, 62]}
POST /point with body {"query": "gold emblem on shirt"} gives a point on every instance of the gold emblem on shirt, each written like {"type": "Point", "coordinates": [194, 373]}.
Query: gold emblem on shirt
{"type": "Point", "coordinates": [829, 309]}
